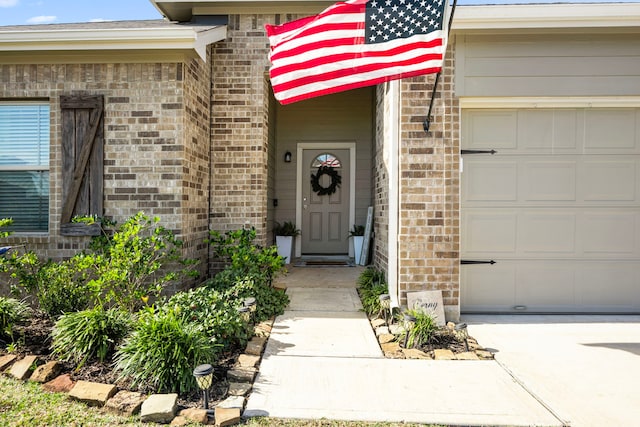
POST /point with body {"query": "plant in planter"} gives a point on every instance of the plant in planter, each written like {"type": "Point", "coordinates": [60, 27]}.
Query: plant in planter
{"type": "Point", "coordinates": [285, 233]}
{"type": "Point", "coordinates": [357, 232]}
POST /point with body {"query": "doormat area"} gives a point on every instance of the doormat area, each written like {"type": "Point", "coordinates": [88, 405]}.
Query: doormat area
{"type": "Point", "coordinates": [323, 263]}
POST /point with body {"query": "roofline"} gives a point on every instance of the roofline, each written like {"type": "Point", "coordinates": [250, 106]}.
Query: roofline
{"type": "Point", "coordinates": [481, 17]}
{"type": "Point", "coordinates": [183, 10]}
{"type": "Point", "coordinates": [523, 16]}
{"type": "Point", "coordinates": [161, 38]}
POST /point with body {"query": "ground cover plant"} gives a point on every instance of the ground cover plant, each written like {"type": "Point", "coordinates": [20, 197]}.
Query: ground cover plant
{"type": "Point", "coordinates": [12, 312]}
{"type": "Point", "coordinates": [162, 351]}
{"type": "Point", "coordinates": [90, 334]}
{"type": "Point", "coordinates": [372, 284]}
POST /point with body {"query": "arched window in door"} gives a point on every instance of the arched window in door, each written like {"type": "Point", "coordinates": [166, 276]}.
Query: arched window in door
{"type": "Point", "coordinates": [326, 159]}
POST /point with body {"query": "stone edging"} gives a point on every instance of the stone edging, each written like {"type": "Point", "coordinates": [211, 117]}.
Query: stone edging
{"type": "Point", "coordinates": [387, 335]}
{"type": "Point", "coordinates": [159, 408]}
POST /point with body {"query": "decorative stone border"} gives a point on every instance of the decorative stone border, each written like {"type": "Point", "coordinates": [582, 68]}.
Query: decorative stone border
{"type": "Point", "coordinates": [387, 335]}
{"type": "Point", "coordinates": [159, 408]}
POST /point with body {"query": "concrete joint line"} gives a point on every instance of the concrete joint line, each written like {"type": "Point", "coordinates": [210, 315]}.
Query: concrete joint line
{"type": "Point", "coordinates": [532, 394]}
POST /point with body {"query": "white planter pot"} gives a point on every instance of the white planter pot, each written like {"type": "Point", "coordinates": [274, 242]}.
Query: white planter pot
{"type": "Point", "coordinates": [357, 248]}
{"type": "Point", "coordinates": [285, 245]}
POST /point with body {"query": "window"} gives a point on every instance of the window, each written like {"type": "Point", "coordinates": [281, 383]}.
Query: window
{"type": "Point", "coordinates": [24, 165]}
{"type": "Point", "coordinates": [326, 159]}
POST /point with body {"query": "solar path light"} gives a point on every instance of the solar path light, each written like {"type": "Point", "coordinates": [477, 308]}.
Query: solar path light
{"type": "Point", "coordinates": [204, 378]}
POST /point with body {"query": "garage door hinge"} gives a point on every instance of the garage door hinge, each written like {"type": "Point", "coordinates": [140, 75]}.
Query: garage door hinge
{"type": "Point", "coordinates": [492, 152]}
{"type": "Point", "coordinates": [470, 261]}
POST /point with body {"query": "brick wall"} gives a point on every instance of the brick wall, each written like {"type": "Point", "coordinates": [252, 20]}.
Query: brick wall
{"type": "Point", "coordinates": [156, 142]}
{"type": "Point", "coordinates": [430, 185]}
{"type": "Point", "coordinates": [196, 163]}
{"type": "Point", "coordinates": [240, 127]}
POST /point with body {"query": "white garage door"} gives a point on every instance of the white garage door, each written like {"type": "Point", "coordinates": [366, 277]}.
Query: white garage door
{"type": "Point", "coordinates": [557, 208]}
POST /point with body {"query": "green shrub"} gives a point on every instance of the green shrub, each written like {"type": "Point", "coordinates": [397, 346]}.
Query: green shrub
{"type": "Point", "coordinates": [62, 288]}
{"type": "Point", "coordinates": [371, 284]}
{"type": "Point", "coordinates": [423, 331]}
{"type": "Point", "coordinates": [245, 258]}
{"type": "Point", "coordinates": [214, 312]}
{"type": "Point", "coordinates": [370, 298]}
{"type": "Point", "coordinates": [269, 300]}
{"type": "Point", "coordinates": [162, 351]}
{"type": "Point", "coordinates": [5, 222]}
{"type": "Point", "coordinates": [132, 264]}
{"type": "Point", "coordinates": [12, 312]}
{"type": "Point", "coordinates": [89, 334]}
{"type": "Point", "coordinates": [121, 268]}
{"type": "Point", "coordinates": [370, 277]}
{"type": "Point", "coordinates": [59, 287]}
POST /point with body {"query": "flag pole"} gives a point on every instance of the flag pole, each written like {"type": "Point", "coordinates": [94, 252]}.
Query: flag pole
{"type": "Point", "coordinates": [427, 121]}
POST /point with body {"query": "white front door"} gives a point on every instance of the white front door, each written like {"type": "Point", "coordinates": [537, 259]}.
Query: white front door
{"type": "Point", "coordinates": [325, 217]}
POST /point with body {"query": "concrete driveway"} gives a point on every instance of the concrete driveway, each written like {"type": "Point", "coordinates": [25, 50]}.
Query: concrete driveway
{"type": "Point", "coordinates": [584, 369]}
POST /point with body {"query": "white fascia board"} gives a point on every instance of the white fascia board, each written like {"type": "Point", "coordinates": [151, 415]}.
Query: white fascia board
{"type": "Point", "coordinates": [522, 16]}
{"type": "Point", "coordinates": [205, 38]}
{"type": "Point", "coordinates": [187, 38]}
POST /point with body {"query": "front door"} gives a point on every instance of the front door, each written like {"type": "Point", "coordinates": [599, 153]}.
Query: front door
{"type": "Point", "coordinates": [325, 217]}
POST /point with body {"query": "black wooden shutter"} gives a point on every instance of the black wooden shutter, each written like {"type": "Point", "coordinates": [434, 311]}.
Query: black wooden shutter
{"type": "Point", "coordinates": [82, 158]}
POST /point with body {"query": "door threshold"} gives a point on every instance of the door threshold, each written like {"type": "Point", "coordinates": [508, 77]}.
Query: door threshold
{"type": "Point", "coordinates": [323, 257]}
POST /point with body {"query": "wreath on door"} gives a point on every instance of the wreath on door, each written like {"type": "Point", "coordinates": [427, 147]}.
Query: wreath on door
{"type": "Point", "coordinates": [336, 180]}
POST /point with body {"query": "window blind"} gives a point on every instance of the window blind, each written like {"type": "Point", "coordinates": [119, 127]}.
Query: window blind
{"type": "Point", "coordinates": [24, 165]}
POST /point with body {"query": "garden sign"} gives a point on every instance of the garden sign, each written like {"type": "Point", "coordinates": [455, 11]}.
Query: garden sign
{"type": "Point", "coordinates": [428, 301]}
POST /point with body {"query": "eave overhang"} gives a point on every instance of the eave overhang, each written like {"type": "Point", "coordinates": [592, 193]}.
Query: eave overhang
{"type": "Point", "coordinates": [161, 38]}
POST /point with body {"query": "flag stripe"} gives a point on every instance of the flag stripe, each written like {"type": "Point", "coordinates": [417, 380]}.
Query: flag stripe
{"type": "Point", "coordinates": [339, 70]}
{"type": "Point", "coordinates": [338, 13]}
{"type": "Point", "coordinates": [300, 95]}
{"type": "Point", "coordinates": [354, 81]}
{"type": "Point", "coordinates": [318, 57]}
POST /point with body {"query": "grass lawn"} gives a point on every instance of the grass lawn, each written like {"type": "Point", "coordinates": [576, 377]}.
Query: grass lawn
{"type": "Point", "coordinates": [25, 404]}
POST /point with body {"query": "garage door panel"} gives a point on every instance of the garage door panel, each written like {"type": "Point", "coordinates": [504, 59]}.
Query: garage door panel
{"type": "Point", "coordinates": [491, 233]}
{"type": "Point", "coordinates": [612, 285]}
{"type": "Point", "coordinates": [610, 233]}
{"type": "Point", "coordinates": [547, 233]}
{"type": "Point", "coordinates": [550, 180]}
{"type": "Point", "coordinates": [540, 284]}
{"type": "Point", "coordinates": [497, 129]}
{"type": "Point", "coordinates": [610, 180]}
{"type": "Point", "coordinates": [491, 181]}
{"type": "Point", "coordinates": [489, 287]}
{"type": "Point", "coordinates": [610, 129]}
{"type": "Point", "coordinates": [547, 130]}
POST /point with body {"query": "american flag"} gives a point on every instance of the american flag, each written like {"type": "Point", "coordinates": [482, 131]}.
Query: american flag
{"type": "Point", "coordinates": [356, 43]}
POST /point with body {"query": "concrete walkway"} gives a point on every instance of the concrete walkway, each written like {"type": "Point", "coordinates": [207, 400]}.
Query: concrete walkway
{"type": "Point", "coordinates": [323, 361]}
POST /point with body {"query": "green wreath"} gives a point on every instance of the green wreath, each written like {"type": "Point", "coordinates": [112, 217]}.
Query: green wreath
{"type": "Point", "coordinates": [336, 180]}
